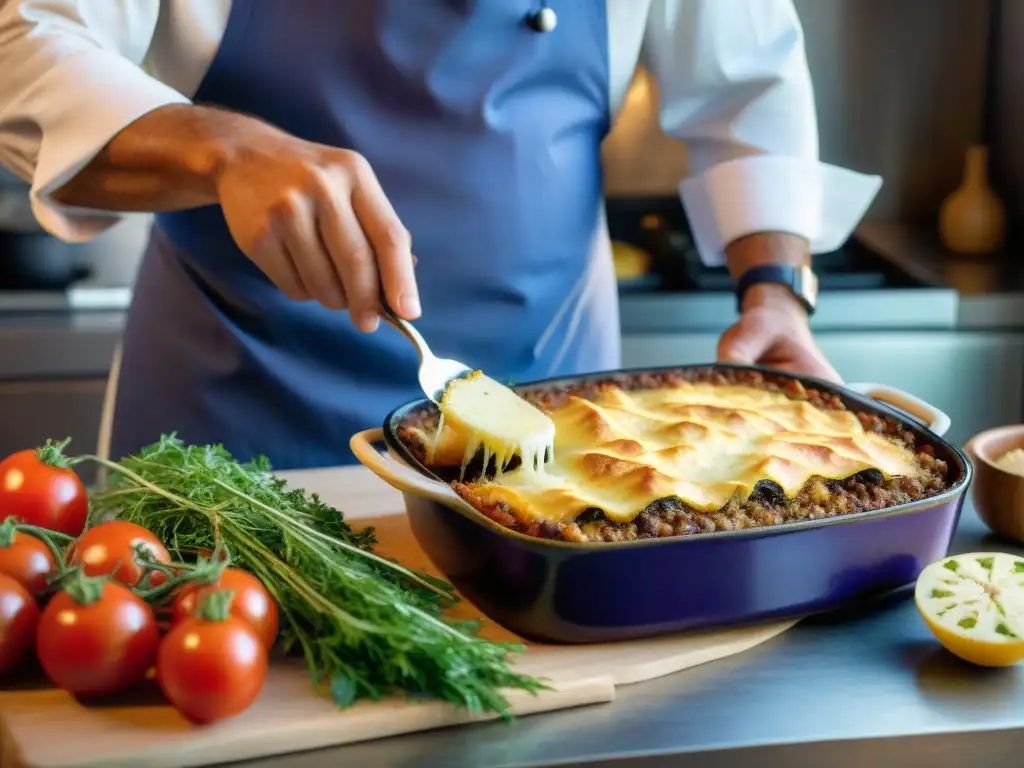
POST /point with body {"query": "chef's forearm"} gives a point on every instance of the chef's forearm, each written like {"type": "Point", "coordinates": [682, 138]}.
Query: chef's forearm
{"type": "Point", "coordinates": [766, 248]}
{"type": "Point", "coordinates": [168, 159]}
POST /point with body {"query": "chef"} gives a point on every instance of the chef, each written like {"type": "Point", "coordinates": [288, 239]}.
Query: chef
{"type": "Point", "coordinates": [300, 155]}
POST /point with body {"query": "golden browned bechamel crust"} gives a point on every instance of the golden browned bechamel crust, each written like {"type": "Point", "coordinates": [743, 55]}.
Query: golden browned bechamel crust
{"type": "Point", "coordinates": [766, 506]}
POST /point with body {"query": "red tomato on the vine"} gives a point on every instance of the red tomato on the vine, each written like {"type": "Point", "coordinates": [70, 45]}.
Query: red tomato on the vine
{"type": "Point", "coordinates": [96, 637]}
{"type": "Point", "coordinates": [19, 616]}
{"type": "Point", "coordinates": [42, 494]}
{"type": "Point", "coordinates": [251, 602]}
{"type": "Point", "coordinates": [25, 559]}
{"type": "Point", "coordinates": [211, 666]}
{"type": "Point", "coordinates": [110, 548]}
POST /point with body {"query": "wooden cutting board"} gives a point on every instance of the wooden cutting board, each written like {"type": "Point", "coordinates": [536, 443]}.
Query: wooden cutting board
{"type": "Point", "coordinates": [46, 728]}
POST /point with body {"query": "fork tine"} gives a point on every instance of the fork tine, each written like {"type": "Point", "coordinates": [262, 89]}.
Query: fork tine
{"type": "Point", "coordinates": [436, 373]}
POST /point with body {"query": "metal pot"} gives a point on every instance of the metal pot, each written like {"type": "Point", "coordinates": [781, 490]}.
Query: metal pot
{"type": "Point", "coordinates": [30, 258]}
{"type": "Point", "coordinates": [37, 261]}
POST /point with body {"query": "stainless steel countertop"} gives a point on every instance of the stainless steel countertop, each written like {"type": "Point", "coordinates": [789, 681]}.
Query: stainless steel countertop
{"type": "Point", "coordinates": [53, 341]}
{"type": "Point", "coordinates": [58, 344]}
{"type": "Point", "coordinates": [909, 309]}
{"type": "Point", "coordinates": [990, 289]}
{"type": "Point", "coordinates": [864, 687]}
{"type": "Point", "coordinates": [53, 335]}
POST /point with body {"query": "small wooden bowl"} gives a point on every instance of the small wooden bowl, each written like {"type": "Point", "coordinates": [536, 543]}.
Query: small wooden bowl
{"type": "Point", "coordinates": [998, 495]}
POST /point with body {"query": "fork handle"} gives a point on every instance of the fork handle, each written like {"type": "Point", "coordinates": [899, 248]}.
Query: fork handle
{"type": "Point", "coordinates": [405, 328]}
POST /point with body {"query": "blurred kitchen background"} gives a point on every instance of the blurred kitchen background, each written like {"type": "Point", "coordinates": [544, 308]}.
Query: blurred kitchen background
{"type": "Point", "coordinates": [901, 91]}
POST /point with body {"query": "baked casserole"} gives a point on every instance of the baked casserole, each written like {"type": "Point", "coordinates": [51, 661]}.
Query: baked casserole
{"type": "Point", "coordinates": [679, 453]}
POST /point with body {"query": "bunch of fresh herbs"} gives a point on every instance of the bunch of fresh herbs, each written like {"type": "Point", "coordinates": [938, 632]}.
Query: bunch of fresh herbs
{"type": "Point", "coordinates": [364, 624]}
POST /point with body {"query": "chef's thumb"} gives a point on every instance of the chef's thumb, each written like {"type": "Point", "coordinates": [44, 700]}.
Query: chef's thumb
{"type": "Point", "coordinates": [745, 343]}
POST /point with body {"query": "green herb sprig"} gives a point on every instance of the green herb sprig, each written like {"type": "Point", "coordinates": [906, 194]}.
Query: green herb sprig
{"type": "Point", "coordinates": [365, 625]}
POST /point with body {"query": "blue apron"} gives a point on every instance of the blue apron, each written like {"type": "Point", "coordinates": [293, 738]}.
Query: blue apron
{"type": "Point", "coordinates": [485, 136]}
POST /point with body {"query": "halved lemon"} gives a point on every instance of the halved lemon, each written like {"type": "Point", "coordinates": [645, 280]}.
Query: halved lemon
{"type": "Point", "coordinates": [974, 605]}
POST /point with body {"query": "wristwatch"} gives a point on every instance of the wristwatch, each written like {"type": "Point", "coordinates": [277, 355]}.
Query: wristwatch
{"type": "Point", "coordinates": [800, 280]}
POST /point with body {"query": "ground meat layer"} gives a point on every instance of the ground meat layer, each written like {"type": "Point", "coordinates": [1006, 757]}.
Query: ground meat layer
{"type": "Point", "coordinates": [766, 506]}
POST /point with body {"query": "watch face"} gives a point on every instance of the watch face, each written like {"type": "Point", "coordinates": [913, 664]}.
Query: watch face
{"type": "Point", "coordinates": [807, 285]}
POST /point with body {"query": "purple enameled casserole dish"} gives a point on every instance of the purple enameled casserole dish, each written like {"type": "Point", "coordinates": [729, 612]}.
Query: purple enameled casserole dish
{"type": "Point", "coordinates": [559, 591]}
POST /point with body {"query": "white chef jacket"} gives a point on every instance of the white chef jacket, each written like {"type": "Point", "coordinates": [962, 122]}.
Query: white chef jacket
{"type": "Point", "coordinates": [732, 74]}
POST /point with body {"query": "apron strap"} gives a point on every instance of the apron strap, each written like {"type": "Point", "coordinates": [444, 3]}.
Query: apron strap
{"type": "Point", "coordinates": [107, 414]}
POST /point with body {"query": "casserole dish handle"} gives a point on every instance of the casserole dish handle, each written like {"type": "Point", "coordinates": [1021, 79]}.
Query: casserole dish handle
{"type": "Point", "coordinates": [937, 421]}
{"type": "Point", "coordinates": [396, 473]}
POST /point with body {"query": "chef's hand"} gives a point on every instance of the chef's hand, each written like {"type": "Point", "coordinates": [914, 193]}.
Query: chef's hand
{"type": "Point", "coordinates": [773, 331]}
{"type": "Point", "coordinates": [316, 220]}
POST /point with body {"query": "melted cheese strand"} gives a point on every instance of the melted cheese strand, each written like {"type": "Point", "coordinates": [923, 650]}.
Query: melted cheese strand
{"type": "Point", "coordinates": [433, 444]}
{"type": "Point", "coordinates": [499, 422]}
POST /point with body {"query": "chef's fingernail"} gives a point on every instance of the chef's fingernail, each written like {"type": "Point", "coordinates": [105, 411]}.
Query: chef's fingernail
{"type": "Point", "coordinates": [410, 304]}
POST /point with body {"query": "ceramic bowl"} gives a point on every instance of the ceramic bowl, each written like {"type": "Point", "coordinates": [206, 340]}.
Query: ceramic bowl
{"type": "Point", "coordinates": [998, 495]}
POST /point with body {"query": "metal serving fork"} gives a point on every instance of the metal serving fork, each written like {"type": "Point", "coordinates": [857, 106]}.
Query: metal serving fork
{"type": "Point", "coordinates": [435, 372]}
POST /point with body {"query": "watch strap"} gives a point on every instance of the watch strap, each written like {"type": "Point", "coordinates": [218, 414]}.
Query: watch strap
{"type": "Point", "coordinates": [778, 274]}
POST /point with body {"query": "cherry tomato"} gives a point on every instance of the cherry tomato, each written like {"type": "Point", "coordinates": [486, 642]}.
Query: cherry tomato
{"type": "Point", "coordinates": [19, 616]}
{"type": "Point", "coordinates": [109, 548]}
{"type": "Point", "coordinates": [96, 637]}
{"type": "Point", "coordinates": [211, 666]}
{"type": "Point", "coordinates": [251, 602]}
{"type": "Point", "coordinates": [25, 559]}
{"type": "Point", "coordinates": [42, 495]}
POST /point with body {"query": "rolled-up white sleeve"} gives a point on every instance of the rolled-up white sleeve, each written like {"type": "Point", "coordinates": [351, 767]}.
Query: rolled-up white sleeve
{"type": "Point", "coordinates": [72, 79]}
{"type": "Point", "coordinates": [735, 87]}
